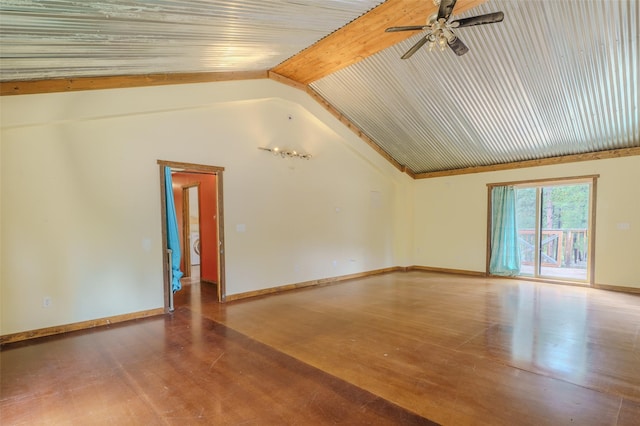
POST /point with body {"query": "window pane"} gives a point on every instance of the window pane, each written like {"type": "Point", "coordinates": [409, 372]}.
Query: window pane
{"type": "Point", "coordinates": [564, 225]}
{"type": "Point", "coordinates": [526, 220]}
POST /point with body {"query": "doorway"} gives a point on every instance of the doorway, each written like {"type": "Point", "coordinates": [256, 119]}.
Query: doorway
{"type": "Point", "coordinates": [191, 230]}
{"type": "Point", "coordinates": [554, 228]}
{"type": "Point", "coordinates": [197, 191]}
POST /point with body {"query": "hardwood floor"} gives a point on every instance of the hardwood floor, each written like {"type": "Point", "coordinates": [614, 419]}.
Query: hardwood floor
{"type": "Point", "coordinates": [398, 348]}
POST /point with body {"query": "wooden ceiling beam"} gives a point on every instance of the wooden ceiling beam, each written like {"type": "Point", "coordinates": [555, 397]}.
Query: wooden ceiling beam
{"type": "Point", "coordinates": [123, 81]}
{"type": "Point", "coordinates": [549, 161]}
{"type": "Point", "coordinates": [361, 38]}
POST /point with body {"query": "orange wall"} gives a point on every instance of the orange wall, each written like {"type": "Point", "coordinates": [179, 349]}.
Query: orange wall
{"type": "Point", "coordinates": [208, 203]}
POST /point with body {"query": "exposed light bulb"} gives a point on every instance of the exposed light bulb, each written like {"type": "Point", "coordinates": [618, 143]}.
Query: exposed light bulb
{"type": "Point", "coordinates": [432, 42]}
{"type": "Point", "coordinates": [442, 41]}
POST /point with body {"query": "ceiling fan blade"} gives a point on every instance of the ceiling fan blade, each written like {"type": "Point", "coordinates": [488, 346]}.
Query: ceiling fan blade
{"type": "Point", "coordinates": [407, 28]}
{"type": "Point", "coordinates": [446, 7]}
{"type": "Point", "coordinates": [416, 47]}
{"type": "Point", "coordinates": [458, 46]}
{"type": "Point", "coordinates": [489, 18]}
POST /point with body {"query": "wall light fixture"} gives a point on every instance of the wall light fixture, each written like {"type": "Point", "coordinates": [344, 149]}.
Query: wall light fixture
{"type": "Point", "coordinates": [285, 153]}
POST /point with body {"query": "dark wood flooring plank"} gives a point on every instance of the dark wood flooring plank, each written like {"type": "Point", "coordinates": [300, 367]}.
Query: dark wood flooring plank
{"type": "Point", "coordinates": [159, 371]}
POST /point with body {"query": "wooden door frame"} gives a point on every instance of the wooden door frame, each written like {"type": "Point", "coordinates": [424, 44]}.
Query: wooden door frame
{"type": "Point", "coordinates": [592, 180]}
{"type": "Point", "coordinates": [195, 168]}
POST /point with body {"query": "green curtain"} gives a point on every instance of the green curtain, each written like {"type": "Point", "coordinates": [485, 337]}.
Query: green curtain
{"type": "Point", "coordinates": [505, 250]}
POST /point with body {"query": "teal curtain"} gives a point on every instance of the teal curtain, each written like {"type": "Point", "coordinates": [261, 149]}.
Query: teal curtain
{"type": "Point", "coordinates": [505, 250]}
{"type": "Point", "coordinates": [173, 239]}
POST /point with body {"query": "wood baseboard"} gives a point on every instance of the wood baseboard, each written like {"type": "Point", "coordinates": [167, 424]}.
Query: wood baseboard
{"type": "Point", "coordinates": [313, 283]}
{"type": "Point", "coordinates": [616, 288]}
{"type": "Point", "coordinates": [446, 271]}
{"type": "Point", "coordinates": [633, 290]}
{"type": "Point", "coordinates": [48, 331]}
{"type": "Point", "coordinates": [66, 328]}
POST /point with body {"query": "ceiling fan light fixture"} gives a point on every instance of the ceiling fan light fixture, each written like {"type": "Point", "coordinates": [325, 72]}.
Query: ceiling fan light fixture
{"type": "Point", "coordinates": [439, 29]}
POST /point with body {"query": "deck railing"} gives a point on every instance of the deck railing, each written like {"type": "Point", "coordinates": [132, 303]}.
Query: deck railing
{"type": "Point", "coordinates": [560, 248]}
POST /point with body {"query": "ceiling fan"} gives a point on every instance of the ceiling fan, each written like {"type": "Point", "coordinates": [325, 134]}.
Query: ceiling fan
{"type": "Point", "coordinates": [440, 31]}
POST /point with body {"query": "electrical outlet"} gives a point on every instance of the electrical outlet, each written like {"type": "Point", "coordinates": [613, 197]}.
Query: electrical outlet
{"type": "Point", "coordinates": [46, 302]}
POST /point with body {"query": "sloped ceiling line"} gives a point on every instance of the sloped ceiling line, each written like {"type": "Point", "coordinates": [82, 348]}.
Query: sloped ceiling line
{"type": "Point", "coordinates": [361, 39]}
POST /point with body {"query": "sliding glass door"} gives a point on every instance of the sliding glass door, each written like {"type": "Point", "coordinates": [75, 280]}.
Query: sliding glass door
{"type": "Point", "coordinates": [554, 222]}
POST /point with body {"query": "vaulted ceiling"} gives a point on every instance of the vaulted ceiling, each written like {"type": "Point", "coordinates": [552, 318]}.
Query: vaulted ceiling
{"type": "Point", "coordinates": [555, 81]}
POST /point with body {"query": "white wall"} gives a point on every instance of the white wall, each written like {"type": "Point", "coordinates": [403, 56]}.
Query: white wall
{"type": "Point", "coordinates": [451, 217]}
{"type": "Point", "coordinates": [80, 205]}
{"type": "Point", "coordinates": [80, 201]}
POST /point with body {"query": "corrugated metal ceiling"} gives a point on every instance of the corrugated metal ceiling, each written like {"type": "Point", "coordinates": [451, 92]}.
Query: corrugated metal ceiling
{"type": "Point", "coordinates": [554, 78]}
{"type": "Point", "coordinates": [63, 38]}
